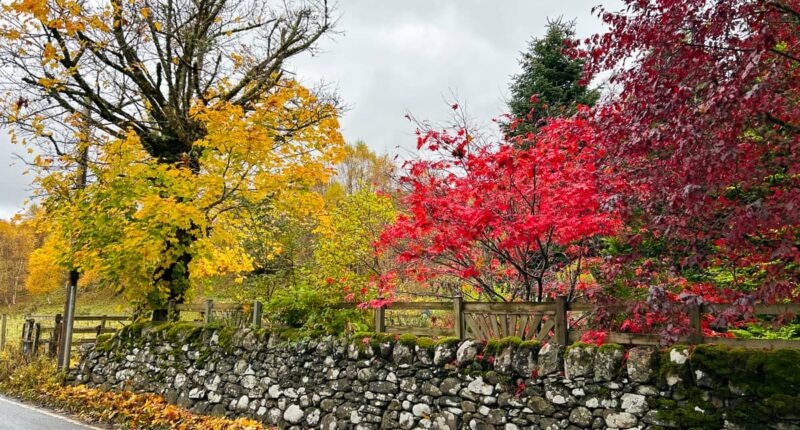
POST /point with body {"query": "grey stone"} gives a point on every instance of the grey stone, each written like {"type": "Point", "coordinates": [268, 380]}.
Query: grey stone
{"type": "Point", "coordinates": [621, 420]}
{"type": "Point", "coordinates": [242, 404]}
{"type": "Point", "coordinates": [581, 416]}
{"type": "Point", "coordinates": [641, 363]}
{"type": "Point", "coordinates": [550, 359]}
{"type": "Point", "coordinates": [634, 403]}
{"type": "Point", "coordinates": [503, 362]}
{"type": "Point", "coordinates": [478, 386]}
{"type": "Point", "coordinates": [540, 405]}
{"type": "Point", "coordinates": [524, 362]}
{"type": "Point", "coordinates": [607, 364]}
{"type": "Point", "coordinates": [403, 354]}
{"type": "Point", "coordinates": [383, 387]}
{"type": "Point", "coordinates": [579, 361]}
{"type": "Point", "coordinates": [450, 386]}
{"type": "Point", "coordinates": [444, 354]}
{"type": "Point", "coordinates": [421, 410]}
{"type": "Point", "coordinates": [406, 420]}
{"type": "Point", "coordinates": [293, 414]}
{"type": "Point", "coordinates": [249, 381]}
{"type": "Point", "coordinates": [467, 351]}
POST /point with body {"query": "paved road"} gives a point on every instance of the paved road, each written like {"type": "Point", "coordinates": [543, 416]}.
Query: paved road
{"type": "Point", "coordinates": [16, 416]}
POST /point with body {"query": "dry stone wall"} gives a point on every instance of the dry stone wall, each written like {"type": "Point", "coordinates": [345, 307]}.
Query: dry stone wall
{"type": "Point", "coordinates": [373, 381]}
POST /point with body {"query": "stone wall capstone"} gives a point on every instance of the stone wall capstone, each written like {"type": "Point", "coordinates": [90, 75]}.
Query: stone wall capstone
{"type": "Point", "coordinates": [377, 381]}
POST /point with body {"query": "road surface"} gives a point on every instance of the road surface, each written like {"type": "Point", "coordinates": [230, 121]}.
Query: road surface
{"type": "Point", "coordinates": [16, 416]}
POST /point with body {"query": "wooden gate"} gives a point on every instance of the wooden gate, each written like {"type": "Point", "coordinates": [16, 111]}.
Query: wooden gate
{"type": "Point", "coordinates": [527, 321]}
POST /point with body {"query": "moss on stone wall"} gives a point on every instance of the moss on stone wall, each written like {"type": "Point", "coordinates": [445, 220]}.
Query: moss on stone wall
{"type": "Point", "coordinates": [752, 389]}
{"type": "Point", "coordinates": [753, 372]}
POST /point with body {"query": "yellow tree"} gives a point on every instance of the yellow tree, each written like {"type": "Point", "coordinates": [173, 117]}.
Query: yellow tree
{"type": "Point", "coordinates": [192, 116]}
{"type": "Point", "coordinates": [17, 241]}
{"type": "Point", "coordinates": [126, 225]}
{"type": "Point", "coordinates": [347, 253]}
{"type": "Point", "coordinates": [363, 168]}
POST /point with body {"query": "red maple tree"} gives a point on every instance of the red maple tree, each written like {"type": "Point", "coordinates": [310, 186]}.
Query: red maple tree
{"type": "Point", "coordinates": [514, 221]}
{"type": "Point", "coordinates": [705, 128]}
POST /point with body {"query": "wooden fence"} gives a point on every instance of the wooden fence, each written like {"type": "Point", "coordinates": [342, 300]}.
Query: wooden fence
{"type": "Point", "coordinates": [545, 322]}
{"type": "Point", "coordinates": [234, 314]}
{"type": "Point", "coordinates": [549, 321]}
{"type": "Point", "coordinates": [45, 331]}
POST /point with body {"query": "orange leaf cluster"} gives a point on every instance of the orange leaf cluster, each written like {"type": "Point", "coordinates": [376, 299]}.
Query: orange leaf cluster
{"type": "Point", "coordinates": [139, 411]}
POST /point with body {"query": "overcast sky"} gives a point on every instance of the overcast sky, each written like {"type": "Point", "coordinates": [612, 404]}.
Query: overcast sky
{"type": "Point", "coordinates": [394, 57]}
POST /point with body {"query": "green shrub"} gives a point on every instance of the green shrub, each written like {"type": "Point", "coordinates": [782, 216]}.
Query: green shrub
{"type": "Point", "coordinates": [308, 308]}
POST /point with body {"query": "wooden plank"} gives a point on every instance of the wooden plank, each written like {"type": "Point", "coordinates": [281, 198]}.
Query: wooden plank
{"type": "Point", "coordinates": [621, 338]}
{"type": "Point", "coordinates": [380, 319]}
{"type": "Point", "coordinates": [777, 309]}
{"type": "Point", "coordinates": [496, 312]}
{"type": "Point", "coordinates": [484, 329]}
{"type": "Point", "coordinates": [407, 306]}
{"type": "Point", "coordinates": [488, 329]}
{"type": "Point", "coordinates": [100, 318]}
{"type": "Point", "coordinates": [695, 326]}
{"type": "Point", "coordinates": [754, 343]}
{"type": "Point", "coordinates": [510, 307]}
{"type": "Point", "coordinates": [418, 331]}
{"type": "Point", "coordinates": [3, 328]}
{"type": "Point", "coordinates": [459, 330]}
{"type": "Point", "coordinates": [560, 331]}
{"type": "Point", "coordinates": [511, 325]}
{"type": "Point", "coordinates": [544, 332]}
{"type": "Point", "coordinates": [588, 307]}
{"type": "Point", "coordinates": [472, 325]}
{"type": "Point", "coordinates": [190, 307]}
{"type": "Point", "coordinates": [520, 329]}
{"type": "Point", "coordinates": [535, 326]}
{"type": "Point", "coordinates": [93, 330]}
{"type": "Point", "coordinates": [228, 307]}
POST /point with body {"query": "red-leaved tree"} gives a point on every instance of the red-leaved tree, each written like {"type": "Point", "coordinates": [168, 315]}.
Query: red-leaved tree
{"type": "Point", "coordinates": [515, 222]}
{"type": "Point", "coordinates": [705, 128]}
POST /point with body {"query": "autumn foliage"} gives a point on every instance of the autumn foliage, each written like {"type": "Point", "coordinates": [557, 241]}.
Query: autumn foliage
{"type": "Point", "coordinates": [505, 218]}
{"type": "Point", "coordinates": [705, 130]}
{"type": "Point", "coordinates": [680, 187]}
{"type": "Point", "coordinates": [36, 380]}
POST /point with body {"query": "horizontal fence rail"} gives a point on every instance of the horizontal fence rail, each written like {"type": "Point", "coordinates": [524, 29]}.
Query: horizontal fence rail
{"type": "Point", "coordinates": [46, 331]}
{"type": "Point", "coordinates": [543, 321]}
{"type": "Point", "coordinates": [548, 321]}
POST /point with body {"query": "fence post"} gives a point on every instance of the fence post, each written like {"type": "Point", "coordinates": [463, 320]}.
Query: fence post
{"type": "Point", "coordinates": [560, 331]}
{"type": "Point", "coordinates": [27, 336]}
{"type": "Point", "coordinates": [257, 311]}
{"type": "Point", "coordinates": [3, 325]}
{"type": "Point", "coordinates": [101, 326]}
{"type": "Point", "coordinates": [209, 315]}
{"type": "Point", "coordinates": [55, 337]}
{"type": "Point", "coordinates": [171, 313]}
{"type": "Point", "coordinates": [380, 318]}
{"type": "Point", "coordinates": [458, 314]}
{"type": "Point", "coordinates": [65, 349]}
{"type": "Point", "coordinates": [696, 329]}
{"type": "Point", "coordinates": [37, 333]}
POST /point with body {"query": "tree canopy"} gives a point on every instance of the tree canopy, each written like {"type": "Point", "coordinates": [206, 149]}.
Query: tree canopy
{"type": "Point", "coordinates": [157, 122]}
{"type": "Point", "coordinates": [551, 83]}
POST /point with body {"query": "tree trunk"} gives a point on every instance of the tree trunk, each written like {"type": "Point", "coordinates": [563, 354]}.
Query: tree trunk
{"type": "Point", "coordinates": [176, 276]}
